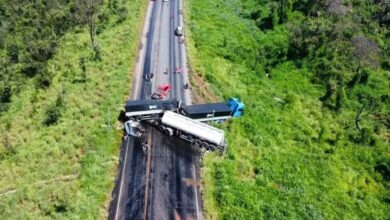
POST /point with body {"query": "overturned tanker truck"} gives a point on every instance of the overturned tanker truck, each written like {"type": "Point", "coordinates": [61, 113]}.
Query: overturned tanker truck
{"type": "Point", "coordinates": [186, 122]}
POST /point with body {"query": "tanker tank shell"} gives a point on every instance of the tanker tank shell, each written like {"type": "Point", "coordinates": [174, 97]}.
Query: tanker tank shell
{"type": "Point", "coordinates": [196, 128]}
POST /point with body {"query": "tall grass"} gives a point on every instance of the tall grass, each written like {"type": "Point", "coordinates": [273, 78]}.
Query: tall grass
{"type": "Point", "coordinates": [288, 157]}
{"type": "Point", "coordinates": [65, 169]}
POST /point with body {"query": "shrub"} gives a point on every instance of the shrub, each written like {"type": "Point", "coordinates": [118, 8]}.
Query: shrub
{"type": "Point", "coordinates": [122, 14]}
{"type": "Point", "coordinates": [32, 68]}
{"type": "Point", "coordinates": [42, 50]}
{"type": "Point", "coordinates": [97, 50]}
{"type": "Point", "coordinates": [2, 39]}
{"type": "Point", "coordinates": [43, 80]}
{"type": "Point", "coordinates": [5, 94]}
{"type": "Point", "coordinates": [53, 113]}
{"type": "Point", "coordinates": [13, 53]}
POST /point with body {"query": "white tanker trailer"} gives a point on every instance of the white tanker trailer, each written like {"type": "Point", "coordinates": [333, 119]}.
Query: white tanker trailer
{"type": "Point", "coordinates": [198, 133]}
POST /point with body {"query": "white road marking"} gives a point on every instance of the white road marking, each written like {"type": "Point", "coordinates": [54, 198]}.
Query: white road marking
{"type": "Point", "coordinates": [121, 184]}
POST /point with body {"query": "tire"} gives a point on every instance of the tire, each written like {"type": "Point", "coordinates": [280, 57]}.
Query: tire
{"type": "Point", "coordinates": [161, 128]}
{"type": "Point", "coordinates": [213, 147]}
{"type": "Point", "coordinates": [206, 145]}
{"type": "Point", "coordinates": [197, 143]}
{"type": "Point", "coordinates": [168, 131]}
{"type": "Point", "coordinates": [220, 150]}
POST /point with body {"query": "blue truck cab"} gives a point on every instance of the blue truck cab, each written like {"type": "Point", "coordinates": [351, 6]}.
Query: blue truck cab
{"type": "Point", "coordinates": [236, 106]}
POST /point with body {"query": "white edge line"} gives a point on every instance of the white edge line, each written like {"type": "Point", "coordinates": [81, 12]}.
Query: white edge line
{"type": "Point", "coordinates": [122, 175]}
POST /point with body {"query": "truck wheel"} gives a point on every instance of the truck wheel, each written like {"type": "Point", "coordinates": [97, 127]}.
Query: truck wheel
{"type": "Point", "coordinates": [220, 150]}
{"type": "Point", "coordinates": [206, 145]}
{"type": "Point", "coordinates": [197, 143]}
{"type": "Point", "coordinates": [168, 131]}
{"type": "Point", "coordinates": [213, 147]}
{"type": "Point", "coordinates": [161, 128]}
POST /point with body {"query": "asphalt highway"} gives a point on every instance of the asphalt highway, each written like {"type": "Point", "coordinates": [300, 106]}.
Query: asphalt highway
{"type": "Point", "coordinates": [160, 181]}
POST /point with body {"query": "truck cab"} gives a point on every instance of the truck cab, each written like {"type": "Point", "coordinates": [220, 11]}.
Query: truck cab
{"type": "Point", "coordinates": [236, 107]}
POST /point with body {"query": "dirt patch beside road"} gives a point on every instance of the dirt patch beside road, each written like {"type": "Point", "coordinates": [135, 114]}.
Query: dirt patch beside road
{"type": "Point", "coordinates": [200, 91]}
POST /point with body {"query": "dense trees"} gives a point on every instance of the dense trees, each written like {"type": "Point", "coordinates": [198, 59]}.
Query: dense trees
{"type": "Point", "coordinates": [29, 35]}
{"type": "Point", "coordinates": [30, 31]}
{"type": "Point", "coordinates": [336, 39]}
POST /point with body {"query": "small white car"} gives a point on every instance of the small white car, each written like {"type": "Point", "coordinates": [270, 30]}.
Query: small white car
{"type": "Point", "coordinates": [179, 31]}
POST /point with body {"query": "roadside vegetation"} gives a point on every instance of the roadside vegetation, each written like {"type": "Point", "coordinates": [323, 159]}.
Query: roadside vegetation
{"type": "Point", "coordinates": [65, 69]}
{"type": "Point", "coordinates": [314, 75]}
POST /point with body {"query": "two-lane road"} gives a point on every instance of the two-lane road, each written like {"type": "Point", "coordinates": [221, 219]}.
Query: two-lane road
{"type": "Point", "coordinates": [162, 182]}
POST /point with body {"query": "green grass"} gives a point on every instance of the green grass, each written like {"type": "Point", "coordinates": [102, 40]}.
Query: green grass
{"type": "Point", "coordinates": [289, 157]}
{"type": "Point", "coordinates": [66, 170]}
